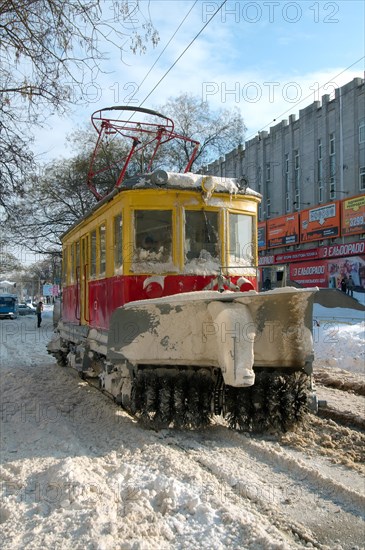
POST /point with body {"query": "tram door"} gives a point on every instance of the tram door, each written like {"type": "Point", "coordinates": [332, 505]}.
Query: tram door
{"type": "Point", "coordinates": [84, 280]}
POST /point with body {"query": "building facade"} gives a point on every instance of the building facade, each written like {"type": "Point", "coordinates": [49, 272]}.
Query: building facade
{"type": "Point", "coordinates": [310, 171]}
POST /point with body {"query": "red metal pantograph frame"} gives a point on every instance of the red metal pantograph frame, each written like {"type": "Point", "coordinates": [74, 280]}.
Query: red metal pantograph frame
{"type": "Point", "coordinates": [160, 129]}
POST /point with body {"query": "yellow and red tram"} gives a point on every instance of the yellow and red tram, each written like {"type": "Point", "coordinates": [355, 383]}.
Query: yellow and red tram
{"type": "Point", "coordinates": [157, 240]}
{"type": "Point", "coordinates": [160, 302]}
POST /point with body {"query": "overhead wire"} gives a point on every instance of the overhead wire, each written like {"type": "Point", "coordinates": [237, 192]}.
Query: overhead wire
{"type": "Point", "coordinates": [164, 49]}
{"type": "Point", "coordinates": [184, 51]}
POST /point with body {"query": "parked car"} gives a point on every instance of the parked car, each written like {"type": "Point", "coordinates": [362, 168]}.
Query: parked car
{"type": "Point", "coordinates": [25, 309]}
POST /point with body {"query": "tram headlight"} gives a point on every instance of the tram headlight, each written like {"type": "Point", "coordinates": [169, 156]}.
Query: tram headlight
{"type": "Point", "coordinates": [208, 185]}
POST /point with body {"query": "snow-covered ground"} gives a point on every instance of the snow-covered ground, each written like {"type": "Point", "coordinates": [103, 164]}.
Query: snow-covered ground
{"type": "Point", "coordinates": [77, 472]}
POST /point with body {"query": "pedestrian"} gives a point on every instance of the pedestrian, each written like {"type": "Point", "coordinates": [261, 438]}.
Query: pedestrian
{"type": "Point", "coordinates": [344, 284]}
{"type": "Point", "coordinates": [350, 287]}
{"type": "Point", "coordinates": [39, 310]}
{"type": "Point", "coordinates": [267, 284]}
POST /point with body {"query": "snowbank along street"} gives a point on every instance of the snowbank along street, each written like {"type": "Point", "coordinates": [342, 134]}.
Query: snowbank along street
{"type": "Point", "coordinates": [77, 472]}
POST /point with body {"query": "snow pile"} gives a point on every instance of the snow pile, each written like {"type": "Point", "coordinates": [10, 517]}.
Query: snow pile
{"type": "Point", "coordinates": [78, 473]}
{"type": "Point", "coordinates": [339, 336]}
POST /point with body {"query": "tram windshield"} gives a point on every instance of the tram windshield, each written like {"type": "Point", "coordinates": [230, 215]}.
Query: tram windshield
{"type": "Point", "coordinates": [241, 244]}
{"type": "Point", "coordinates": [153, 237]}
{"type": "Point", "coordinates": [202, 247]}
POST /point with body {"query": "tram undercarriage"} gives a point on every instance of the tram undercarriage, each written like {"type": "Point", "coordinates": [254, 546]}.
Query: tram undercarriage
{"type": "Point", "coordinates": [151, 378]}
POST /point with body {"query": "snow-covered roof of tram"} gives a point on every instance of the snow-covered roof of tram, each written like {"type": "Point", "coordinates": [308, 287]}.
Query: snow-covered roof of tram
{"type": "Point", "coordinates": [160, 179]}
{"type": "Point", "coordinates": [188, 180]}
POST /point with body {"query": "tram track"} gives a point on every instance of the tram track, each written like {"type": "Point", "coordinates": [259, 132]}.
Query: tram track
{"type": "Point", "coordinates": [263, 475]}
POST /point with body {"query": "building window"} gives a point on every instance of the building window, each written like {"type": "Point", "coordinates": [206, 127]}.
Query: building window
{"type": "Point", "coordinates": [287, 202]}
{"type": "Point", "coordinates": [268, 208]}
{"type": "Point", "coordinates": [320, 171]}
{"type": "Point", "coordinates": [268, 172]}
{"type": "Point", "coordinates": [332, 188]}
{"type": "Point", "coordinates": [287, 176]}
{"type": "Point", "coordinates": [332, 144]}
{"type": "Point", "coordinates": [297, 200]}
{"type": "Point", "coordinates": [362, 178]}
{"type": "Point", "coordinates": [362, 131]}
{"type": "Point", "coordinates": [332, 181]}
{"type": "Point", "coordinates": [296, 171]}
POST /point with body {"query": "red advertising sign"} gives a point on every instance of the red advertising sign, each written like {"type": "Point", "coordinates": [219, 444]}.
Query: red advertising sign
{"type": "Point", "coordinates": [338, 250]}
{"type": "Point", "coordinates": [333, 251]}
{"type": "Point", "coordinates": [322, 222]}
{"type": "Point", "coordinates": [310, 274]}
{"type": "Point", "coordinates": [329, 273]}
{"type": "Point", "coordinates": [297, 255]}
{"type": "Point", "coordinates": [283, 231]}
{"type": "Point", "coordinates": [353, 216]}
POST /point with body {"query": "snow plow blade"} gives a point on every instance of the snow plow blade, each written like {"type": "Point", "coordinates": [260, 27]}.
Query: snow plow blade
{"type": "Point", "coordinates": [234, 332]}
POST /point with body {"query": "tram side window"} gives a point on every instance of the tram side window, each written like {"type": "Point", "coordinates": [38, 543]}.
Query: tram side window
{"type": "Point", "coordinates": [65, 264]}
{"type": "Point", "coordinates": [118, 243]}
{"type": "Point", "coordinates": [93, 253]}
{"type": "Point", "coordinates": [201, 236]}
{"type": "Point", "coordinates": [240, 240]}
{"type": "Point", "coordinates": [72, 263]}
{"type": "Point", "coordinates": [153, 234]}
{"type": "Point", "coordinates": [77, 261]}
{"type": "Point", "coordinates": [102, 245]}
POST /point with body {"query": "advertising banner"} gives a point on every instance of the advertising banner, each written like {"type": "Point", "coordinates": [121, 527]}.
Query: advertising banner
{"type": "Point", "coordinates": [261, 235]}
{"type": "Point", "coordinates": [283, 231]}
{"type": "Point", "coordinates": [266, 260]}
{"type": "Point", "coordinates": [50, 290]}
{"type": "Point", "coordinates": [310, 274]}
{"type": "Point", "coordinates": [348, 249]}
{"type": "Point", "coordinates": [353, 216]}
{"type": "Point", "coordinates": [322, 222]}
{"type": "Point", "coordinates": [297, 255]}
{"type": "Point", "coordinates": [344, 267]}
{"type": "Point", "coordinates": [329, 273]}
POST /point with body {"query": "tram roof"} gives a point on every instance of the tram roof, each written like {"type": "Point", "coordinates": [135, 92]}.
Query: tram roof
{"type": "Point", "coordinates": [161, 179]}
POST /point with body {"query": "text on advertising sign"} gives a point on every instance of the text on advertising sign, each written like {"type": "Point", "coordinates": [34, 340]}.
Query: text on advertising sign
{"type": "Point", "coordinates": [283, 231]}
{"type": "Point", "coordinates": [353, 216]}
{"type": "Point", "coordinates": [320, 223]}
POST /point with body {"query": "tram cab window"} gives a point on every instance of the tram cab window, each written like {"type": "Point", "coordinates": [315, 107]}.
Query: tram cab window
{"type": "Point", "coordinates": [153, 236]}
{"type": "Point", "coordinates": [240, 240]}
{"type": "Point", "coordinates": [201, 236]}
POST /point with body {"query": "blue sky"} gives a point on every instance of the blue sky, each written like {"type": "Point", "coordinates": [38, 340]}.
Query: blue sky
{"type": "Point", "coordinates": [268, 58]}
